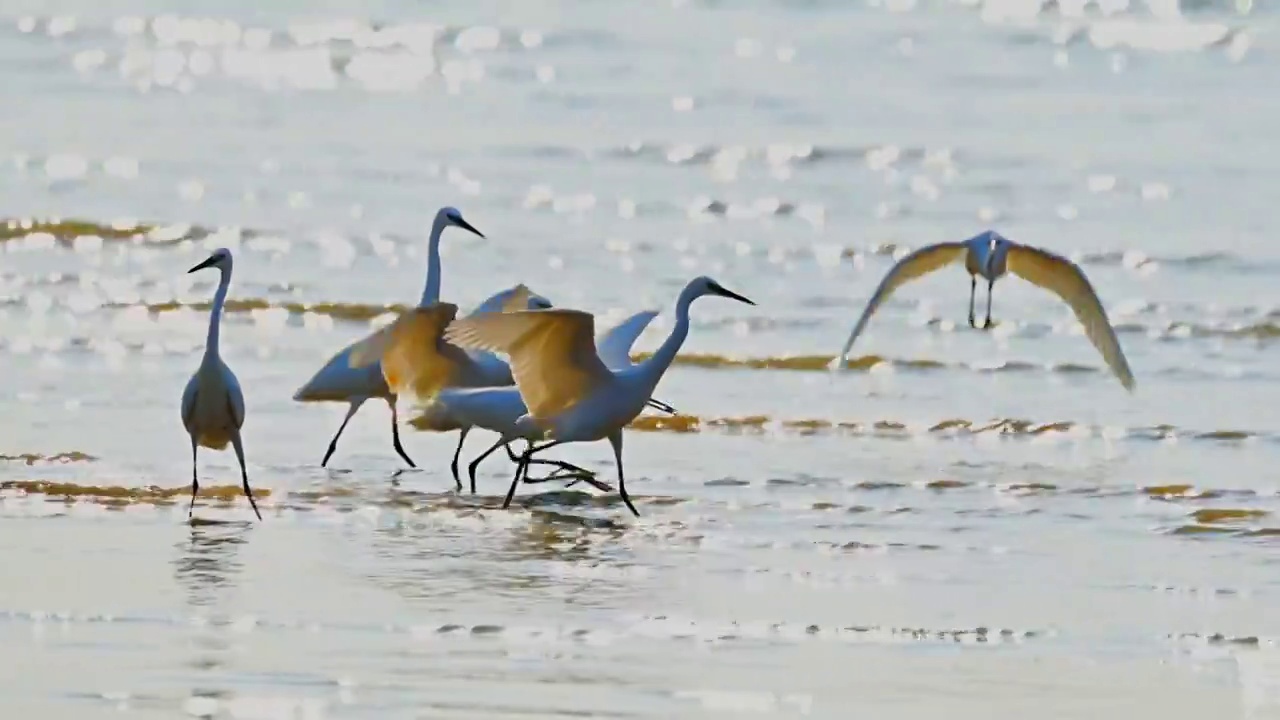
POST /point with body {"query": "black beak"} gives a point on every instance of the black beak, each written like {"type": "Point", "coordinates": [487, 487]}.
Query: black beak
{"type": "Point", "coordinates": [208, 262]}
{"type": "Point", "coordinates": [659, 405]}
{"type": "Point", "coordinates": [731, 294]}
{"type": "Point", "coordinates": [467, 226]}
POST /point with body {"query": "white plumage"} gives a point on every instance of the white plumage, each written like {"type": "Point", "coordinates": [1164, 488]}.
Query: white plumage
{"type": "Point", "coordinates": [212, 402]}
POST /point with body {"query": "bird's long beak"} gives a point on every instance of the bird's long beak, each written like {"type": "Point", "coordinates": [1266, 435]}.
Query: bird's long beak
{"type": "Point", "coordinates": [208, 262]}
{"type": "Point", "coordinates": [731, 294]}
{"type": "Point", "coordinates": [659, 405]}
{"type": "Point", "coordinates": [467, 226]}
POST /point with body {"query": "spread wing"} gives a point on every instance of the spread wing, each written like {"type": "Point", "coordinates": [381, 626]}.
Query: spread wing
{"type": "Point", "coordinates": [553, 354]}
{"type": "Point", "coordinates": [509, 300]}
{"type": "Point", "coordinates": [1066, 280]}
{"type": "Point", "coordinates": [615, 344]}
{"type": "Point", "coordinates": [917, 264]}
{"type": "Point", "coordinates": [414, 360]}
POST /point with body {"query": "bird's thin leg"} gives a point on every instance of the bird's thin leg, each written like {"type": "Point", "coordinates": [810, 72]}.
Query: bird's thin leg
{"type": "Point", "coordinates": [615, 439]}
{"type": "Point", "coordinates": [195, 482]}
{"type": "Point", "coordinates": [244, 474]}
{"type": "Point", "coordinates": [395, 433]}
{"type": "Point", "coordinates": [569, 469]}
{"type": "Point", "coordinates": [471, 468]}
{"type": "Point", "coordinates": [990, 285]}
{"type": "Point", "coordinates": [973, 291]}
{"type": "Point", "coordinates": [462, 436]}
{"type": "Point", "coordinates": [333, 444]}
{"type": "Point", "coordinates": [522, 468]}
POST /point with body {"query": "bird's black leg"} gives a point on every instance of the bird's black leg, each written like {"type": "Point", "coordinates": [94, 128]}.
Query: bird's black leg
{"type": "Point", "coordinates": [990, 286]}
{"type": "Point", "coordinates": [615, 439]}
{"type": "Point", "coordinates": [522, 467]}
{"type": "Point", "coordinates": [462, 436]}
{"type": "Point", "coordinates": [333, 444]}
{"type": "Point", "coordinates": [195, 482]}
{"type": "Point", "coordinates": [471, 468]}
{"type": "Point", "coordinates": [395, 433]}
{"type": "Point", "coordinates": [973, 291]}
{"type": "Point", "coordinates": [559, 465]}
{"type": "Point", "coordinates": [244, 474]}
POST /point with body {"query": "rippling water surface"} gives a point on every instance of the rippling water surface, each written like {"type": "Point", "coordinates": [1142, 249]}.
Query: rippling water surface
{"type": "Point", "coordinates": [972, 524]}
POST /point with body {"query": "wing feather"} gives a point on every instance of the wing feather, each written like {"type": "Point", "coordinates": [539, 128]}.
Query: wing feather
{"type": "Point", "coordinates": [615, 344]}
{"type": "Point", "coordinates": [1066, 280]}
{"type": "Point", "coordinates": [918, 264]}
{"type": "Point", "coordinates": [415, 360]}
{"type": "Point", "coordinates": [553, 354]}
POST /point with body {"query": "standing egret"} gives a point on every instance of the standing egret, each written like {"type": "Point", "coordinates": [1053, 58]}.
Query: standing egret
{"type": "Point", "coordinates": [339, 381]}
{"type": "Point", "coordinates": [990, 255]}
{"type": "Point", "coordinates": [571, 395]}
{"type": "Point", "coordinates": [212, 404]}
{"type": "Point", "coordinates": [498, 408]}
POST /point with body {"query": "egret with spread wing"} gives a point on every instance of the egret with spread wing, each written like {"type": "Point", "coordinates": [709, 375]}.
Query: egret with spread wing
{"type": "Point", "coordinates": [499, 408]}
{"type": "Point", "coordinates": [571, 395]}
{"type": "Point", "coordinates": [990, 255]}
{"type": "Point", "coordinates": [212, 404]}
{"type": "Point", "coordinates": [339, 381]}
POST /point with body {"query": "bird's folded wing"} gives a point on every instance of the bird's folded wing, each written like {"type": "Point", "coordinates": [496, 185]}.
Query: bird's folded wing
{"type": "Point", "coordinates": [917, 264]}
{"type": "Point", "coordinates": [614, 346]}
{"type": "Point", "coordinates": [1066, 280]}
{"type": "Point", "coordinates": [553, 354]}
{"type": "Point", "coordinates": [410, 351]}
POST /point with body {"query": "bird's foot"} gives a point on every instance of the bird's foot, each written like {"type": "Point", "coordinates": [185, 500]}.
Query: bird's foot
{"type": "Point", "coordinates": [986, 324]}
{"type": "Point", "coordinates": [573, 477]}
{"type": "Point", "coordinates": [973, 322]}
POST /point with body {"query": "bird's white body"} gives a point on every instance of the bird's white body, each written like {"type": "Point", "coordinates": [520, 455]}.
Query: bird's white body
{"type": "Point", "coordinates": [213, 405]}
{"type": "Point", "coordinates": [212, 402]}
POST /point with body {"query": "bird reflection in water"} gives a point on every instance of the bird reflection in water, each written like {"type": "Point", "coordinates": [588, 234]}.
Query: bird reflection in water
{"type": "Point", "coordinates": [209, 563]}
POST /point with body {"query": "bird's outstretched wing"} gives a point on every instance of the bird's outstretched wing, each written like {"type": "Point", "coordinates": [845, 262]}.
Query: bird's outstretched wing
{"type": "Point", "coordinates": [508, 300]}
{"type": "Point", "coordinates": [553, 354]}
{"type": "Point", "coordinates": [917, 264]}
{"type": "Point", "coordinates": [614, 346]}
{"type": "Point", "coordinates": [1066, 280]}
{"type": "Point", "coordinates": [414, 361]}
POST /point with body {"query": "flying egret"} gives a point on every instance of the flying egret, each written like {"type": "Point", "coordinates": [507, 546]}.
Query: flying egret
{"type": "Point", "coordinates": [212, 404]}
{"type": "Point", "coordinates": [498, 408]}
{"type": "Point", "coordinates": [571, 395]}
{"type": "Point", "coordinates": [340, 381]}
{"type": "Point", "coordinates": [990, 255]}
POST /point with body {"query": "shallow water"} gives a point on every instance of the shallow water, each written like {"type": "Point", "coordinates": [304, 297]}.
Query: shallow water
{"type": "Point", "coordinates": [966, 524]}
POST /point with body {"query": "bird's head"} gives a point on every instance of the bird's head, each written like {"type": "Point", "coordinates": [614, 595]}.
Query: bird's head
{"type": "Point", "coordinates": [537, 302]}
{"type": "Point", "coordinates": [452, 216]}
{"type": "Point", "coordinates": [706, 286]}
{"type": "Point", "coordinates": [220, 258]}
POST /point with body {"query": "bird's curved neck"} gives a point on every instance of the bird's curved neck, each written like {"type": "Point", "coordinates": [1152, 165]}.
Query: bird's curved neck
{"type": "Point", "coordinates": [215, 316]}
{"type": "Point", "coordinates": [431, 293]}
{"type": "Point", "coordinates": [655, 366]}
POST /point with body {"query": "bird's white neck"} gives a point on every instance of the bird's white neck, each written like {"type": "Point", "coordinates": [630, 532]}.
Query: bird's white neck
{"type": "Point", "coordinates": [431, 293]}
{"type": "Point", "coordinates": [653, 368]}
{"type": "Point", "coordinates": [215, 316]}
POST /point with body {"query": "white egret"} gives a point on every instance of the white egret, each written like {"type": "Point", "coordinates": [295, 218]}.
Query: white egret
{"type": "Point", "coordinates": [571, 395]}
{"type": "Point", "coordinates": [212, 404]}
{"type": "Point", "coordinates": [339, 381]}
{"type": "Point", "coordinates": [498, 408]}
{"type": "Point", "coordinates": [990, 255]}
